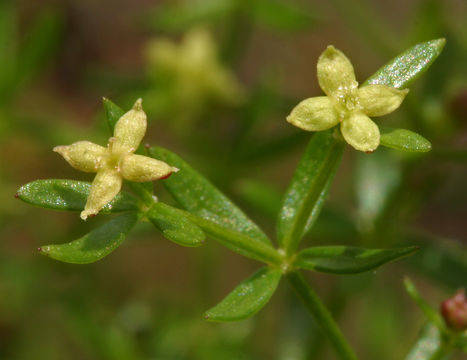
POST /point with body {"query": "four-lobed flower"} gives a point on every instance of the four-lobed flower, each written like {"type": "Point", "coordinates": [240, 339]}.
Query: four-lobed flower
{"type": "Point", "coordinates": [195, 65]}
{"type": "Point", "coordinates": [115, 162]}
{"type": "Point", "coordinates": [346, 103]}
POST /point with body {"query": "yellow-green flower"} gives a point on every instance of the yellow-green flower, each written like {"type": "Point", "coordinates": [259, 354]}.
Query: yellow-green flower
{"type": "Point", "coordinates": [195, 66]}
{"type": "Point", "coordinates": [115, 162]}
{"type": "Point", "coordinates": [346, 103]}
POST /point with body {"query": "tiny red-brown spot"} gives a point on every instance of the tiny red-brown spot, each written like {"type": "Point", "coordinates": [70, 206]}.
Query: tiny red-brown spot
{"type": "Point", "coordinates": [147, 146]}
{"type": "Point", "coordinates": [166, 176]}
{"type": "Point", "coordinates": [17, 195]}
{"type": "Point", "coordinates": [369, 152]}
{"type": "Point", "coordinates": [39, 249]}
{"type": "Point", "coordinates": [92, 215]}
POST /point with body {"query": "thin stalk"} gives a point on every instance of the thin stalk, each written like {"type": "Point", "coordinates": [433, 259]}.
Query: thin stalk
{"type": "Point", "coordinates": [322, 315]}
{"type": "Point", "coordinates": [440, 353]}
{"type": "Point", "coordinates": [234, 240]}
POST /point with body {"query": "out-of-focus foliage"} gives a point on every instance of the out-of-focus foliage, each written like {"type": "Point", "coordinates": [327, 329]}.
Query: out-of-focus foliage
{"type": "Point", "coordinates": [58, 58]}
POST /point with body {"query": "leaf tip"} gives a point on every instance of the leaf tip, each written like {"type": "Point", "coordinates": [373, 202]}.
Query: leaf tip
{"type": "Point", "coordinates": [43, 250]}
{"type": "Point", "coordinates": [17, 195]}
{"type": "Point", "coordinates": [409, 286]}
{"type": "Point", "coordinates": [412, 249]}
{"type": "Point", "coordinates": [439, 42]}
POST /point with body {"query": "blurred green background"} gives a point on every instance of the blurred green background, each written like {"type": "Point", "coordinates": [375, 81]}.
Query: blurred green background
{"type": "Point", "coordinates": [218, 78]}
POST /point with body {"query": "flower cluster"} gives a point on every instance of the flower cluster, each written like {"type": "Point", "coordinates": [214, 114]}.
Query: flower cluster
{"type": "Point", "coordinates": [345, 103]}
{"type": "Point", "coordinates": [115, 162]}
{"type": "Point", "coordinates": [196, 69]}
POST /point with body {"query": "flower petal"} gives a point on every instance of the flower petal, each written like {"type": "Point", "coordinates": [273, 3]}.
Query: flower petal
{"type": "Point", "coordinates": [130, 129]}
{"type": "Point", "coordinates": [162, 53]}
{"type": "Point", "coordinates": [360, 132]}
{"type": "Point", "coordinates": [314, 114]}
{"type": "Point", "coordinates": [379, 100]}
{"type": "Point", "coordinates": [82, 155]}
{"type": "Point", "coordinates": [335, 71]}
{"type": "Point", "coordinates": [142, 168]}
{"type": "Point", "coordinates": [198, 48]}
{"type": "Point", "coordinates": [104, 188]}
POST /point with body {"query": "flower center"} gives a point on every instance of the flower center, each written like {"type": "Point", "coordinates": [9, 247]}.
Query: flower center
{"type": "Point", "coordinates": [346, 100]}
{"type": "Point", "coordinates": [114, 155]}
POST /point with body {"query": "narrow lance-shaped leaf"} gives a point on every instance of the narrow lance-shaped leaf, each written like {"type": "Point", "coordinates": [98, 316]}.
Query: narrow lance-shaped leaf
{"type": "Point", "coordinates": [112, 112]}
{"type": "Point", "coordinates": [405, 140]}
{"type": "Point", "coordinates": [408, 66]}
{"type": "Point", "coordinates": [175, 226]}
{"type": "Point", "coordinates": [70, 195]}
{"type": "Point", "coordinates": [197, 195]}
{"type": "Point", "coordinates": [305, 193]}
{"type": "Point", "coordinates": [247, 298]}
{"type": "Point", "coordinates": [346, 259]}
{"type": "Point", "coordinates": [94, 245]}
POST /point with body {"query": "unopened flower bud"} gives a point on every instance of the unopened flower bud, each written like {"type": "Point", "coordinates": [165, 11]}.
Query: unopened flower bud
{"type": "Point", "coordinates": [454, 311]}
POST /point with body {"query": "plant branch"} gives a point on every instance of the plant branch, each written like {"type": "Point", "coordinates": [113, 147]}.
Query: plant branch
{"type": "Point", "coordinates": [321, 314]}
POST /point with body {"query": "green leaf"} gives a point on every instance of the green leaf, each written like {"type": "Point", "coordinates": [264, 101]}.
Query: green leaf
{"type": "Point", "coordinates": [427, 344]}
{"type": "Point", "coordinates": [404, 69]}
{"type": "Point", "coordinates": [247, 298]}
{"type": "Point", "coordinates": [113, 113]}
{"type": "Point", "coordinates": [280, 14]}
{"type": "Point", "coordinates": [175, 226]}
{"type": "Point", "coordinates": [94, 245]}
{"type": "Point", "coordinates": [405, 140]}
{"type": "Point", "coordinates": [432, 315]}
{"type": "Point", "coordinates": [40, 44]}
{"type": "Point", "coordinates": [346, 259]}
{"type": "Point", "coordinates": [197, 195]}
{"type": "Point", "coordinates": [305, 193]}
{"type": "Point", "coordinates": [70, 195]}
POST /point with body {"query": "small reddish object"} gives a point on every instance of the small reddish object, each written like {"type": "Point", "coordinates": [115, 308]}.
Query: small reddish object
{"type": "Point", "coordinates": [166, 176]}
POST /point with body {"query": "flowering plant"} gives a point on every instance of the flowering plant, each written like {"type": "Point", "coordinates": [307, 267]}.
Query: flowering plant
{"type": "Point", "coordinates": [204, 211]}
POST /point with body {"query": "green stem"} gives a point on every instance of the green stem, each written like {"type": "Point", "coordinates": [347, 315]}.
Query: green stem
{"type": "Point", "coordinates": [321, 314]}
{"type": "Point", "coordinates": [236, 241]}
{"type": "Point", "coordinates": [440, 353]}
{"type": "Point", "coordinates": [233, 240]}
